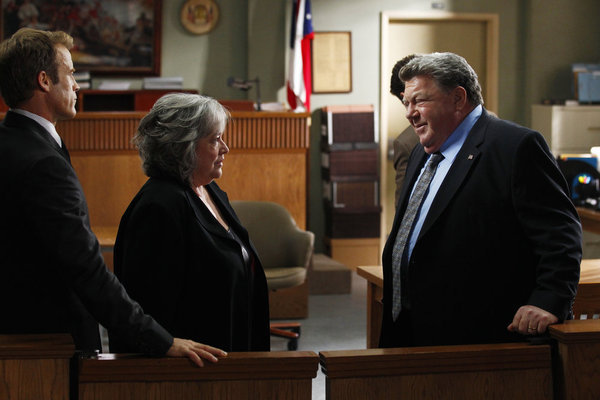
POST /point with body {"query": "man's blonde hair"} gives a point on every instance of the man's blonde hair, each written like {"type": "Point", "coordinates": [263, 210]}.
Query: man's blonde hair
{"type": "Point", "coordinates": [23, 56]}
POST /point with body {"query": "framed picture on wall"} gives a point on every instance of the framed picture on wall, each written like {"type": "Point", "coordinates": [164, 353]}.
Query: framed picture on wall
{"type": "Point", "coordinates": [111, 37]}
{"type": "Point", "coordinates": [332, 62]}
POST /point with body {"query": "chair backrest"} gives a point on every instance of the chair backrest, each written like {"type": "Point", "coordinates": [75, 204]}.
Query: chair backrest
{"type": "Point", "coordinates": [277, 238]}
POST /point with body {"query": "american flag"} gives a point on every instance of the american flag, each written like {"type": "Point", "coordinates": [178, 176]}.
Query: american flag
{"type": "Point", "coordinates": [299, 85]}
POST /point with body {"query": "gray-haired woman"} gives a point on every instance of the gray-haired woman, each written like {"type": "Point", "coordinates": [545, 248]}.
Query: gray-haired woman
{"type": "Point", "coordinates": [181, 251]}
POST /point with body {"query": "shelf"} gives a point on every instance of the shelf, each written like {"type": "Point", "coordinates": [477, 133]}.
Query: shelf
{"type": "Point", "coordinates": [121, 100]}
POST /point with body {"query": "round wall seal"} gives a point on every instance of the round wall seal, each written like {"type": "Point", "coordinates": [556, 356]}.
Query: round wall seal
{"type": "Point", "coordinates": [199, 16]}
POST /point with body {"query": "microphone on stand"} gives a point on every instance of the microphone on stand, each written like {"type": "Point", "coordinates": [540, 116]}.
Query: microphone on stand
{"type": "Point", "coordinates": [245, 85]}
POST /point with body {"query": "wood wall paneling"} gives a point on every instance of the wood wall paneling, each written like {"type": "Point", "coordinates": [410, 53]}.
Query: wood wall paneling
{"type": "Point", "coordinates": [268, 160]}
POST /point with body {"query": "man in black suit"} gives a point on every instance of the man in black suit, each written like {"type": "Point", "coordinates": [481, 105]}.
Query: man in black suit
{"type": "Point", "coordinates": [406, 141]}
{"type": "Point", "coordinates": [53, 276]}
{"type": "Point", "coordinates": [493, 252]}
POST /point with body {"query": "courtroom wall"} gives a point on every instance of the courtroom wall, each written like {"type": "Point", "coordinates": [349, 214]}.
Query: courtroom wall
{"type": "Point", "coordinates": [538, 42]}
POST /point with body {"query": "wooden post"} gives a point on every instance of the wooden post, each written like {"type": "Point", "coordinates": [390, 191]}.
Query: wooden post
{"type": "Point", "coordinates": [577, 365]}
{"type": "Point", "coordinates": [35, 366]}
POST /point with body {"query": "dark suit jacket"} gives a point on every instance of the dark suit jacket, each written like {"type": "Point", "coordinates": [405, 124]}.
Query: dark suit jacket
{"type": "Point", "coordinates": [182, 266]}
{"type": "Point", "coordinates": [53, 276]}
{"type": "Point", "coordinates": [404, 144]}
{"type": "Point", "coordinates": [501, 233]}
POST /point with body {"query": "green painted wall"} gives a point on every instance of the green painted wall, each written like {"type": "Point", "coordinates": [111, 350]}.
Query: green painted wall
{"type": "Point", "coordinates": [539, 40]}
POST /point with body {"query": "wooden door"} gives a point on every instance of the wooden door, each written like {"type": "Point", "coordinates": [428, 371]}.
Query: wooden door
{"type": "Point", "coordinates": [473, 36]}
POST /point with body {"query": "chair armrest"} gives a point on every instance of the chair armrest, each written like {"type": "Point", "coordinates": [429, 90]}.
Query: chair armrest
{"type": "Point", "coordinates": [302, 247]}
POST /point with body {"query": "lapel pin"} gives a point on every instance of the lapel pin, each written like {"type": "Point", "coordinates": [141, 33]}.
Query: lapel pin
{"type": "Point", "coordinates": [470, 157]}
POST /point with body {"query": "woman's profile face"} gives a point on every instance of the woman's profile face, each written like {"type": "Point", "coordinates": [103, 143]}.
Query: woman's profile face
{"type": "Point", "coordinates": [210, 154]}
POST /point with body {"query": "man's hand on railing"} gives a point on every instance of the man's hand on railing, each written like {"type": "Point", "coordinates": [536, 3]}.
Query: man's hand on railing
{"type": "Point", "coordinates": [531, 320]}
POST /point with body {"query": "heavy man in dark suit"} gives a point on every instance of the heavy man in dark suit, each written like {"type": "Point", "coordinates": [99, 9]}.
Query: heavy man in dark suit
{"type": "Point", "coordinates": [493, 252]}
{"type": "Point", "coordinates": [53, 276]}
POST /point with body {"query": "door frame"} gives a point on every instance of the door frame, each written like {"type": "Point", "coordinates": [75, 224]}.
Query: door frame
{"type": "Point", "coordinates": [490, 92]}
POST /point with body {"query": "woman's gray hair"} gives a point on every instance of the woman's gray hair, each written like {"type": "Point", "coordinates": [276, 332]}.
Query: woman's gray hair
{"type": "Point", "coordinates": [166, 137]}
{"type": "Point", "coordinates": [448, 70]}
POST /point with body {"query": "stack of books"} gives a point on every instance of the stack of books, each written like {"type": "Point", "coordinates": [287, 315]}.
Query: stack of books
{"type": "Point", "coordinates": [83, 79]}
{"type": "Point", "coordinates": [174, 82]}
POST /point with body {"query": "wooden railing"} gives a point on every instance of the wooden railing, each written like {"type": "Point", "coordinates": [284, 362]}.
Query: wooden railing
{"type": "Point", "coordinates": [565, 368]}
{"type": "Point", "coordinates": [43, 367]}
{"type": "Point", "coordinates": [101, 131]}
{"type": "Point", "coordinates": [499, 371]}
{"type": "Point", "coordinates": [239, 376]}
{"type": "Point", "coordinates": [268, 130]}
{"type": "Point", "coordinates": [493, 371]}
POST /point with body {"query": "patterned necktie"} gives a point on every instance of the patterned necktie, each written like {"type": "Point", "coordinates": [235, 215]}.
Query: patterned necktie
{"type": "Point", "coordinates": [414, 204]}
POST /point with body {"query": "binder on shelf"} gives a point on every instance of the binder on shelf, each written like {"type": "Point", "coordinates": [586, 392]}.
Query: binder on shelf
{"type": "Point", "coordinates": [173, 82]}
{"type": "Point", "coordinates": [351, 194]}
{"type": "Point", "coordinates": [350, 172]}
{"type": "Point", "coordinates": [337, 165]}
{"type": "Point", "coordinates": [83, 79]}
{"type": "Point", "coordinates": [348, 124]}
{"type": "Point", "coordinates": [328, 147]}
{"type": "Point", "coordinates": [352, 222]}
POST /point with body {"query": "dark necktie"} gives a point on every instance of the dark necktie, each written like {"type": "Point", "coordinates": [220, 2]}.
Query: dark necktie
{"type": "Point", "coordinates": [414, 204]}
{"type": "Point", "coordinates": [65, 152]}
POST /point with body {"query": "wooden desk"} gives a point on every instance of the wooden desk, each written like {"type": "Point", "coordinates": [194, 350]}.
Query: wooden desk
{"type": "Point", "coordinates": [587, 301]}
{"type": "Point", "coordinates": [589, 278]}
{"type": "Point", "coordinates": [106, 236]}
{"type": "Point", "coordinates": [590, 219]}
{"type": "Point", "coordinates": [374, 277]}
{"type": "Point", "coordinates": [590, 271]}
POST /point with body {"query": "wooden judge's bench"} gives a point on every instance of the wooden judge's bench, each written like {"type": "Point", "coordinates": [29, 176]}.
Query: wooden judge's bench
{"type": "Point", "coordinates": [268, 158]}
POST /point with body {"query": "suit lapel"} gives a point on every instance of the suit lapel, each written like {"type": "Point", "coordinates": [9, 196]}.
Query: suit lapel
{"type": "Point", "coordinates": [203, 215]}
{"type": "Point", "coordinates": [207, 219]}
{"type": "Point", "coordinates": [29, 125]}
{"type": "Point", "coordinates": [210, 223]}
{"type": "Point", "coordinates": [465, 160]}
